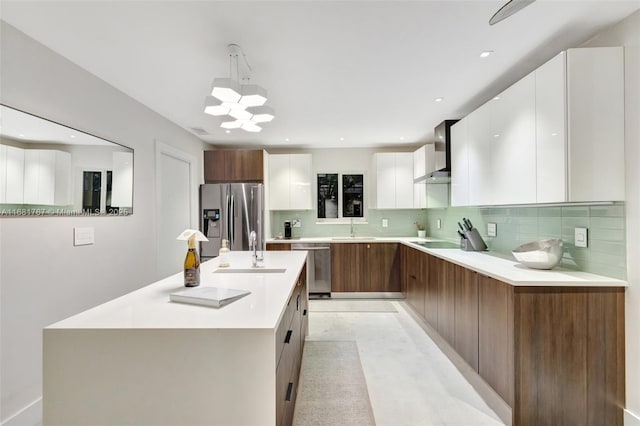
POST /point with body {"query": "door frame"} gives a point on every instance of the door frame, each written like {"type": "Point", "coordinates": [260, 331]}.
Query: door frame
{"type": "Point", "coordinates": [161, 149]}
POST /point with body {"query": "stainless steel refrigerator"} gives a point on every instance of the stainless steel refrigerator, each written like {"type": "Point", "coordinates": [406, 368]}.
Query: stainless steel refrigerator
{"type": "Point", "coordinates": [230, 211]}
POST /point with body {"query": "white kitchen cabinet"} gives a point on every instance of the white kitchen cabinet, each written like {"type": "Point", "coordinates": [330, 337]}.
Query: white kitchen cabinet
{"type": "Point", "coordinates": [290, 182]}
{"type": "Point", "coordinates": [394, 180]}
{"type": "Point", "coordinates": [513, 145]}
{"type": "Point", "coordinates": [420, 195]}
{"type": "Point", "coordinates": [557, 135]}
{"type": "Point", "coordinates": [11, 175]}
{"type": "Point", "coordinates": [480, 135]}
{"type": "Point", "coordinates": [460, 163]}
{"type": "Point", "coordinates": [551, 156]}
{"type": "Point", "coordinates": [595, 126]}
{"type": "Point", "coordinates": [47, 177]}
{"type": "Point", "coordinates": [424, 161]}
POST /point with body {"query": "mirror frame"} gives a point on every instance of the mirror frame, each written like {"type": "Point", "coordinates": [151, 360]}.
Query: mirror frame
{"type": "Point", "coordinates": [12, 210]}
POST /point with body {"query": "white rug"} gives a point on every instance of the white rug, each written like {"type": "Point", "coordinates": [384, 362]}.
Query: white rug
{"type": "Point", "coordinates": [333, 390]}
{"type": "Point", "coordinates": [351, 306]}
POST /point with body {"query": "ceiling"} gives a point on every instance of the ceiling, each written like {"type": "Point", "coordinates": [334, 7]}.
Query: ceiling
{"type": "Point", "coordinates": [338, 73]}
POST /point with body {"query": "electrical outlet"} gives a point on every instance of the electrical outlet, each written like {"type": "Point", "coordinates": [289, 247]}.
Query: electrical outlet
{"type": "Point", "coordinates": [581, 238]}
{"type": "Point", "coordinates": [83, 236]}
{"type": "Point", "coordinates": [439, 223]}
{"type": "Point", "coordinates": [492, 229]}
{"type": "Point", "coordinates": [385, 223]}
{"type": "Point", "coordinates": [295, 223]}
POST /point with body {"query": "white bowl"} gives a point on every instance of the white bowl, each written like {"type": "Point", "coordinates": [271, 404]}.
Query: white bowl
{"type": "Point", "coordinates": [544, 254]}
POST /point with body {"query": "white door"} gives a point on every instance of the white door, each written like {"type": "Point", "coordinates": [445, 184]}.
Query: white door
{"type": "Point", "coordinates": [175, 205]}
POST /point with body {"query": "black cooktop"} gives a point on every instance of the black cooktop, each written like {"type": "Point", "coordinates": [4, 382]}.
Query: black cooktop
{"type": "Point", "coordinates": [437, 244]}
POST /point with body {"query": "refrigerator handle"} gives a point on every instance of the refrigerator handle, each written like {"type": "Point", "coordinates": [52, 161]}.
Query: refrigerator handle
{"type": "Point", "coordinates": [232, 218]}
{"type": "Point", "coordinates": [229, 220]}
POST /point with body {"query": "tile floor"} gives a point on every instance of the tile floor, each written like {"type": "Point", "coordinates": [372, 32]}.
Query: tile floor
{"type": "Point", "coordinates": [410, 381]}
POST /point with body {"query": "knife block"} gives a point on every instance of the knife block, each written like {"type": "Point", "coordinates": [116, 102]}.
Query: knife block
{"type": "Point", "coordinates": [473, 241]}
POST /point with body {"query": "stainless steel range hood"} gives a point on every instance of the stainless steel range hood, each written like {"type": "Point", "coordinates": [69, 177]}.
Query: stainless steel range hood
{"type": "Point", "coordinates": [439, 166]}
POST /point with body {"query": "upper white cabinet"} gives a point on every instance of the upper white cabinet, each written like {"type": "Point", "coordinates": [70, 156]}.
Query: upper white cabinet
{"type": "Point", "coordinates": [460, 162]}
{"type": "Point", "coordinates": [290, 182]}
{"type": "Point", "coordinates": [394, 180]}
{"type": "Point", "coordinates": [424, 161]}
{"type": "Point", "coordinates": [547, 138]}
{"type": "Point", "coordinates": [595, 124]}
{"type": "Point", "coordinates": [11, 175]}
{"type": "Point", "coordinates": [47, 177]}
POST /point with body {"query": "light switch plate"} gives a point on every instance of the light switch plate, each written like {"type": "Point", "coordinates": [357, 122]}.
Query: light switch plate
{"type": "Point", "coordinates": [385, 223]}
{"type": "Point", "coordinates": [439, 223]}
{"type": "Point", "coordinates": [581, 237]}
{"type": "Point", "coordinates": [492, 229]}
{"type": "Point", "coordinates": [295, 223]}
{"type": "Point", "coordinates": [83, 236]}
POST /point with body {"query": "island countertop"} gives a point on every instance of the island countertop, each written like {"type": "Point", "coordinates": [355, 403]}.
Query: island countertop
{"type": "Point", "coordinates": [149, 307]}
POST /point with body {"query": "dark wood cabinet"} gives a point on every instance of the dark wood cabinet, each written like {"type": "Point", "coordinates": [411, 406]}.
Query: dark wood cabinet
{"type": "Point", "coordinates": [290, 336]}
{"type": "Point", "coordinates": [495, 335]}
{"type": "Point", "coordinates": [446, 300]}
{"type": "Point", "coordinates": [279, 246]}
{"type": "Point", "coordinates": [233, 165]}
{"type": "Point", "coordinates": [569, 356]}
{"type": "Point", "coordinates": [365, 267]}
{"type": "Point", "coordinates": [414, 278]}
{"type": "Point", "coordinates": [466, 314]}
{"type": "Point", "coordinates": [555, 355]}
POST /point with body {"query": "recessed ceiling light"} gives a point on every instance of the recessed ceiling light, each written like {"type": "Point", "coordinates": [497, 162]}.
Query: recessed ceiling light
{"type": "Point", "coordinates": [401, 138]}
{"type": "Point", "coordinates": [341, 139]}
{"type": "Point", "coordinates": [554, 134]}
{"type": "Point", "coordinates": [496, 135]}
{"type": "Point", "coordinates": [227, 131]}
{"type": "Point", "coordinates": [286, 140]}
{"type": "Point", "coordinates": [497, 98]}
{"type": "Point", "coordinates": [438, 99]}
{"type": "Point", "coordinates": [486, 53]}
{"type": "Point", "coordinates": [72, 136]}
{"type": "Point", "coordinates": [21, 135]}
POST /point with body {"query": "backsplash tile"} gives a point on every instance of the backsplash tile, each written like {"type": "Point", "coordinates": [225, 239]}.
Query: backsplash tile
{"type": "Point", "coordinates": [606, 254]}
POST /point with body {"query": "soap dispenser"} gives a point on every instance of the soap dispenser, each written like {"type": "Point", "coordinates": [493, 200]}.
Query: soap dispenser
{"type": "Point", "coordinates": [222, 255]}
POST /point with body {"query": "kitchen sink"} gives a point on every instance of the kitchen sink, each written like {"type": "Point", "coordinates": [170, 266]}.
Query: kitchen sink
{"type": "Point", "coordinates": [256, 270]}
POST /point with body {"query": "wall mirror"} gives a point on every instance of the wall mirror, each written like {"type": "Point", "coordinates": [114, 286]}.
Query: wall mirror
{"type": "Point", "coordinates": [47, 169]}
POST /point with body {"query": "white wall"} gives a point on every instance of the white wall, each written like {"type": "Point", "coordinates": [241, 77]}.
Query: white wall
{"type": "Point", "coordinates": [43, 278]}
{"type": "Point", "coordinates": [627, 34]}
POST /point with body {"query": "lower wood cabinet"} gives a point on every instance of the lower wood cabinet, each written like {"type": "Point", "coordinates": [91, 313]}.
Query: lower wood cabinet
{"type": "Point", "coordinates": [465, 340]}
{"type": "Point", "coordinates": [495, 335]}
{"type": "Point", "coordinates": [290, 337]}
{"type": "Point", "coordinates": [365, 267]}
{"type": "Point", "coordinates": [554, 354]}
{"type": "Point", "coordinates": [279, 246]}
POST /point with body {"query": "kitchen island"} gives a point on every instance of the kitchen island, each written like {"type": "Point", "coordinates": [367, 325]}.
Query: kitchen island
{"type": "Point", "coordinates": [141, 359]}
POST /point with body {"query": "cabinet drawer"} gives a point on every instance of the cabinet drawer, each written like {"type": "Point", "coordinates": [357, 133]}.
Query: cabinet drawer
{"type": "Point", "coordinates": [288, 368]}
{"type": "Point", "coordinates": [285, 323]}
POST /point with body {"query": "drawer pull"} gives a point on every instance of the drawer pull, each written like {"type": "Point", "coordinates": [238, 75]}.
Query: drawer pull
{"type": "Point", "coordinates": [287, 339]}
{"type": "Point", "coordinates": [289, 390]}
{"type": "Point", "coordinates": [298, 303]}
{"type": "Point", "coordinates": [413, 276]}
{"type": "Point", "coordinates": [304, 312]}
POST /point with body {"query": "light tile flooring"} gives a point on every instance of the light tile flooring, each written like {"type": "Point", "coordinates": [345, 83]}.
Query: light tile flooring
{"type": "Point", "coordinates": [410, 381]}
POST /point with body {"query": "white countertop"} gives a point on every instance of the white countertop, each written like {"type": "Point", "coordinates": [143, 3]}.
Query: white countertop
{"type": "Point", "coordinates": [497, 266]}
{"type": "Point", "coordinates": [149, 307]}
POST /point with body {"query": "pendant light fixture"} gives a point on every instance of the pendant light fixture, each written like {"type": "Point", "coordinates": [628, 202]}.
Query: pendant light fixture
{"type": "Point", "coordinates": [241, 105]}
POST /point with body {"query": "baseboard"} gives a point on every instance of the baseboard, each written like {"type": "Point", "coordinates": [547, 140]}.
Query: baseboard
{"type": "Point", "coordinates": [31, 415]}
{"type": "Point", "coordinates": [486, 392]}
{"type": "Point", "coordinates": [631, 419]}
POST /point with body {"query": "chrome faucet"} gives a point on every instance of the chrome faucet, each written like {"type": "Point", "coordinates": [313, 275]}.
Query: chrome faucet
{"type": "Point", "coordinates": [253, 246]}
{"type": "Point", "coordinates": [353, 230]}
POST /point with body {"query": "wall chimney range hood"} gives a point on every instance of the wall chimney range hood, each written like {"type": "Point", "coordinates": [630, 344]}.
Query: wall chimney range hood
{"type": "Point", "coordinates": [438, 155]}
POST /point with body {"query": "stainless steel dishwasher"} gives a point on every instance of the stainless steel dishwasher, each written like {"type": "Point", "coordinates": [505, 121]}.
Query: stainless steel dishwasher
{"type": "Point", "coordinates": [318, 268]}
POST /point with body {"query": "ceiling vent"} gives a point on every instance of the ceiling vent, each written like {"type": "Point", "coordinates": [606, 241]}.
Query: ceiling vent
{"type": "Point", "coordinates": [199, 131]}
